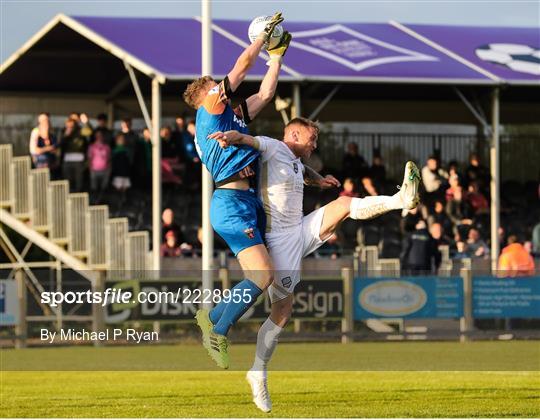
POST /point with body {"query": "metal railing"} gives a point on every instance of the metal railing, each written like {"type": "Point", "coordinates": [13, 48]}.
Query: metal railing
{"type": "Point", "coordinates": [39, 199]}
{"type": "Point", "coordinates": [58, 198]}
{"type": "Point", "coordinates": [20, 172]}
{"type": "Point", "coordinates": [97, 234]}
{"type": "Point", "coordinates": [68, 220]}
{"type": "Point", "coordinates": [6, 156]}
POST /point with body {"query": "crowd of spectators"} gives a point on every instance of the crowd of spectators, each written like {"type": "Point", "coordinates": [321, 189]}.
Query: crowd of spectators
{"type": "Point", "coordinates": [453, 211]}
{"type": "Point", "coordinates": [118, 159]}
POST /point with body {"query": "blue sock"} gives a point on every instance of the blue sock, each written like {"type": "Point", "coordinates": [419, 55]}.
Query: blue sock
{"type": "Point", "coordinates": [231, 312]}
{"type": "Point", "coordinates": [217, 311]}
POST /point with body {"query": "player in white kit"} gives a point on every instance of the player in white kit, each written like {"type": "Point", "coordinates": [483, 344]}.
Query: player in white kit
{"type": "Point", "coordinates": [290, 236]}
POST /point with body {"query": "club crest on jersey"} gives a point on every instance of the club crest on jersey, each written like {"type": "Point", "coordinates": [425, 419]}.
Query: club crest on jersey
{"type": "Point", "coordinates": [286, 282]}
{"type": "Point", "coordinates": [250, 233]}
{"type": "Point", "coordinates": [295, 167]}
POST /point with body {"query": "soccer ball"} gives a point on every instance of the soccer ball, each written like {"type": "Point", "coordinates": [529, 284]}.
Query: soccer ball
{"type": "Point", "coordinates": [256, 27]}
{"type": "Point", "coordinates": [517, 57]}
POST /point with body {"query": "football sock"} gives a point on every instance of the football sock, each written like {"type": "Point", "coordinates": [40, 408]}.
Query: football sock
{"type": "Point", "coordinates": [248, 294]}
{"type": "Point", "coordinates": [267, 340]}
{"type": "Point", "coordinates": [373, 206]}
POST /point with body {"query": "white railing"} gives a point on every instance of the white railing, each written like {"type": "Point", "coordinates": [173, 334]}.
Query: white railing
{"type": "Point", "coordinates": [39, 199]}
{"type": "Point", "coordinates": [77, 224]}
{"type": "Point", "coordinates": [68, 220]}
{"type": "Point", "coordinates": [58, 199]}
{"type": "Point", "coordinates": [117, 249]}
{"type": "Point", "coordinates": [137, 252]}
{"type": "Point", "coordinates": [20, 172]}
{"type": "Point", "coordinates": [97, 234]}
{"type": "Point", "coordinates": [6, 157]}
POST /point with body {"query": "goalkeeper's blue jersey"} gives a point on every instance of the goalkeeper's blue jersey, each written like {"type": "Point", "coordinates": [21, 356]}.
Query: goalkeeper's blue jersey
{"type": "Point", "coordinates": [216, 114]}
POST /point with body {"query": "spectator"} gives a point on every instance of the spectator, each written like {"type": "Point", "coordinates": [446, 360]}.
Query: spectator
{"type": "Point", "coordinates": [458, 209]}
{"type": "Point", "coordinates": [74, 147]}
{"type": "Point", "coordinates": [514, 260]}
{"type": "Point", "coordinates": [170, 162]}
{"type": "Point", "coordinates": [440, 216]}
{"type": "Point", "coordinates": [86, 128]}
{"type": "Point", "coordinates": [190, 150]}
{"type": "Point", "coordinates": [453, 180]}
{"type": "Point", "coordinates": [476, 199]}
{"type": "Point", "coordinates": [43, 144]}
{"type": "Point", "coordinates": [420, 254]}
{"type": "Point", "coordinates": [434, 179]}
{"type": "Point", "coordinates": [192, 161]}
{"type": "Point", "coordinates": [348, 188]}
{"type": "Point", "coordinates": [143, 160]}
{"type": "Point", "coordinates": [437, 232]}
{"type": "Point", "coordinates": [102, 127]}
{"type": "Point", "coordinates": [168, 225]}
{"type": "Point", "coordinates": [75, 116]}
{"type": "Point", "coordinates": [453, 169]}
{"type": "Point", "coordinates": [378, 170]}
{"type": "Point", "coordinates": [410, 220]}
{"type": "Point", "coordinates": [169, 247]}
{"type": "Point", "coordinates": [354, 165]}
{"type": "Point", "coordinates": [120, 165]}
{"type": "Point", "coordinates": [177, 136]}
{"type": "Point", "coordinates": [99, 160]}
{"type": "Point", "coordinates": [130, 138]}
{"type": "Point", "coordinates": [475, 172]}
{"type": "Point", "coordinates": [461, 251]}
{"type": "Point", "coordinates": [536, 240]}
{"type": "Point", "coordinates": [367, 187]}
{"type": "Point", "coordinates": [476, 246]}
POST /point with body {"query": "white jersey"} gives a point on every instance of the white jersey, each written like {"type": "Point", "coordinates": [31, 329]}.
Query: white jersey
{"type": "Point", "coordinates": [281, 185]}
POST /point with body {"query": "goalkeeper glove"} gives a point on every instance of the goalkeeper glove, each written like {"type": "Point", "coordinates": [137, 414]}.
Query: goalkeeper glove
{"type": "Point", "coordinates": [277, 53]}
{"type": "Point", "coordinates": [270, 26]}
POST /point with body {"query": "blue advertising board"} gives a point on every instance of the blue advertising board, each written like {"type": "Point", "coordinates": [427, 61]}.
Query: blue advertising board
{"type": "Point", "coordinates": [516, 297]}
{"type": "Point", "coordinates": [408, 297]}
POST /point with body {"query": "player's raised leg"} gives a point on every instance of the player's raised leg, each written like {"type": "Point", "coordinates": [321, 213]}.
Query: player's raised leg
{"type": "Point", "coordinates": [370, 207]}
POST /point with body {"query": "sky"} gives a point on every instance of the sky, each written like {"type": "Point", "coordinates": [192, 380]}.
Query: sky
{"type": "Point", "coordinates": [20, 19]}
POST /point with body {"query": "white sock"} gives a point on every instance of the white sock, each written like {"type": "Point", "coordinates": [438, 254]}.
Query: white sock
{"type": "Point", "coordinates": [373, 206]}
{"type": "Point", "coordinates": [267, 339]}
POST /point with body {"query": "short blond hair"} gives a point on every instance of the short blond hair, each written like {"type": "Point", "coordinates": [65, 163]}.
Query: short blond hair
{"type": "Point", "coordinates": [304, 122]}
{"type": "Point", "coordinates": [193, 92]}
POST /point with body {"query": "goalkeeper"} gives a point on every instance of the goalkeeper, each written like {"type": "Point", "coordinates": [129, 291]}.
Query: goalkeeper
{"type": "Point", "coordinates": [236, 212]}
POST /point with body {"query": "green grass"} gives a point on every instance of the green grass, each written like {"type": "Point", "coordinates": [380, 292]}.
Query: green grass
{"type": "Point", "coordinates": [300, 393]}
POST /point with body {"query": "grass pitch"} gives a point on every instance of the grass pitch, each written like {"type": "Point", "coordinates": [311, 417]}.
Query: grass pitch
{"type": "Point", "coordinates": [213, 393]}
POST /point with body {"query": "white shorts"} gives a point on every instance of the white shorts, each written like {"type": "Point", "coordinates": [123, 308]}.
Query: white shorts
{"type": "Point", "coordinates": [288, 248]}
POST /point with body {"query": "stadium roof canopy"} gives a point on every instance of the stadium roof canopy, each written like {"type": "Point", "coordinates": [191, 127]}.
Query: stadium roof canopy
{"type": "Point", "coordinates": [170, 50]}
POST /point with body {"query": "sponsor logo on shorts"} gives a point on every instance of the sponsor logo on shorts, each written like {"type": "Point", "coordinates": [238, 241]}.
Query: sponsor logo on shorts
{"type": "Point", "coordinates": [250, 233]}
{"type": "Point", "coordinates": [286, 282]}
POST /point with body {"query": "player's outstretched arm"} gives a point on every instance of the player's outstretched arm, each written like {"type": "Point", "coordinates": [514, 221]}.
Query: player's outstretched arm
{"type": "Point", "coordinates": [249, 55]}
{"type": "Point", "coordinates": [228, 138]}
{"type": "Point", "coordinates": [255, 103]}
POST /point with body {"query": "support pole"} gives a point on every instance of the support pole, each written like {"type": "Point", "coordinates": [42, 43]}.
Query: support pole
{"type": "Point", "coordinates": [156, 176]}
{"type": "Point", "coordinates": [207, 186]}
{"type": "Point", "coordinates": [21, 329]}
{"type": "Point", "coordinates": [297, 105]}
{"type": "Point", "coordinates": [98, 311]}
{"type": "Point", "coordinates": [347, 322]}
{"type": "Point", "coordinates": [466, 323]}
{"type": "Point", "coordinates": [495, 179]}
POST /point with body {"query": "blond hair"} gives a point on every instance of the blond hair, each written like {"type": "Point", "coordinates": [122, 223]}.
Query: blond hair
{"type": "Point", "coordinates": [304, 122]}
{"type": "Point", "coordinates": [193, 92]}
